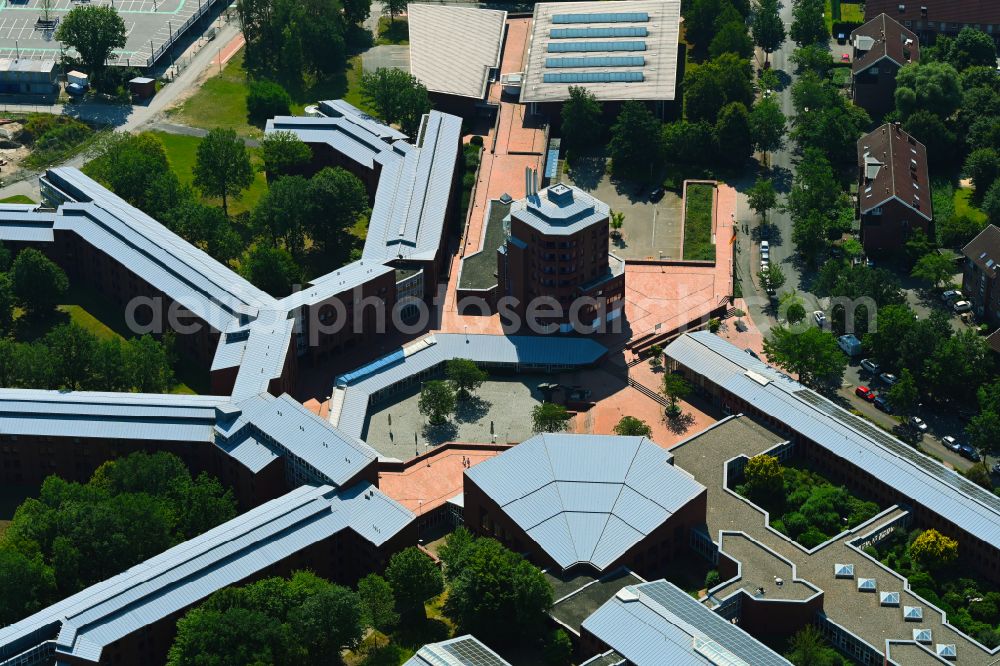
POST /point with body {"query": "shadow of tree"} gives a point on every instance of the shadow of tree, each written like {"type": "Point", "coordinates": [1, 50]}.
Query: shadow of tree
{"type": "Point", "coordinates": [471, 410]}
{"type": "Point", "coordinates": [439, 434]}
{"type": "Point", "coordinates": [680, 424]}
{"type": "Point", "coordinates": [781, 178]}
{"type": "Point", "coordinates": [587, 171]}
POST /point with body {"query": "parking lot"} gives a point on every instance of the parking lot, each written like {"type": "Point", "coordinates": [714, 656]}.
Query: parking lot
{"type": "Point", "coordinates": [148, 25]}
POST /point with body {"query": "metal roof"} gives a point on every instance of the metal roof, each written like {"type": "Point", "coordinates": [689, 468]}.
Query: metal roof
{"type": "Point", "coordinates": [347, 138]}
{"type": "Point", "coordinates": [586, 498]}
{"type": "Point", "coordinates": [21, 223]}
{"type": "Point", "coordinates": [464, 650]}
{"type": "Point", "coordinates": [189, 572]}
{"type": "Point", "coordinates": [338, 108]}
{"type": "Point", "coordinates": [453, 49]}
{"type": "Point", "coordinates": [342, 280]}
{"type": "Point", "coordinates": [921, 479]}
{"type": "Point", "coordinates": [539, 351]}
{"type": "Point", "coordinates": [264, 354]}
{"type": "Point", "coordinates": [587, 27]}
{"type": "Point", "coordinates": [658, 623]}
{"type": "Point", "coordinates": [560, 209]}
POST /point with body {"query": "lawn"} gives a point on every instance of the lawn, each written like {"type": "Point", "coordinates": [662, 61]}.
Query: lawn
{"type": "Point", "coordinates": [842, 12]}
{"type": "Point", "coordinates": [17, 199]}
{"type": "Point", "coordinates": [181, 152]}
{"type": "Point", "coordinates": [841, 76]}
{"type": "Point", "coordinates": [698, 243]}
{"type": "Point", "coordinates": [963, 205]}
{"type": "Point", "coordinates": [393, 32]}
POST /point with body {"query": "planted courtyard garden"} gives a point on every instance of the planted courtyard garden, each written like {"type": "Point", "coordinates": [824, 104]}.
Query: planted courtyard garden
{"type": "Point", "coordinates": [802, 504]}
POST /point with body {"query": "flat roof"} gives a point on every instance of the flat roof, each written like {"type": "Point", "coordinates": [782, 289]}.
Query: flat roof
{"type": "Point", "coordinates": [83, 624]}
{"type": "Point", "coordinates": [655, 623]}
{"type": "Point", "coordinates": [560, 210]}
{"type": "Point", "coordinates": [586, 499]}
{"type": "Point", "coordinates": [453, 49]}
{"type": "Point", "coordinates": [624, 51]}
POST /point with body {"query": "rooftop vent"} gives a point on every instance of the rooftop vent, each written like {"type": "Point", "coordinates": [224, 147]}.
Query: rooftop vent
{"type": "Point", "coordinates": [560, 194]}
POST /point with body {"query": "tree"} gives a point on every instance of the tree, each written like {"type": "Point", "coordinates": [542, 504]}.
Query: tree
{"type": "Point", "coordinates": [135, 167]}
{"type": "Point", "coordinates": [928, 86]}
{"type": "Point", "coordinates": [812, 354]}
{"type": "Point", "coordinates": [337, 200]}
{"type": "Point", "coordinates": [455, 551]}
{"type": "Point", "coordinates": [356, 11]}
{"type": "Point", "coordinates": [685, 142]}
{"type": "Point", "coordinates": [655, 357]}
{"type": "Point", "coordinates": [270, 268]}
{"type": "Point", "coordinates": [979, 474]}
{"type": "Point", "coordinates": [549, 417]}
{"type": "Point", "coordinates": [764, 478]}
{"type": "Point", "coordinates": [933, 550]}
{"type": "Point", "coordinates": [378, 602]}
{"type": "Point", "coordinates": [771, 277]}
{"type": "Point", "coordinates": [206, 227]}
{"type": "Point", "coordinates": [767, 126]}
{"type": "Point", "coordinates": [982, 166]}
{"type": "Point", "coordinates": [767, 28]}
{"type": "Point", "coordinates": [812, 58]}
{"type": "Point", "coordinates": [414, 579]}
{"type": "Point", "coordinates": [808, 648]}
{"type": "Point", "coordinates": [808, 26]}
{"type": "Point", "coordinates": [558, 649]}
{"type": "Point", "coordinates": [731, 38]}
{"type": "Point", "coordinates": [498, 596]}
{"type": "Point", "coordinates": [931, 131]}
{"type": "Point", "coordinates": [762, 198]}
{"type": "Point", "coordinates": [636, 145]}
{"type": "Point", "coordinates": [7, 301]}
{"type": "Point", "coordinates": [328, 622]}
{"type": "Point", "coordinates": [710, 86]}
{"type": "Point", "coordinates": [733, 132]}
{"type": "Point", "coordinates": [265, 100]}
{"type": "Point", "coordinates": [581, 120]}
{"type": "Point", "coordinates": [675, 388]}
{"type": "Point", "coordinates": [393, 8]}
{"type": "Point", "coordinates": [283, 153]}
{"type": "Point", "coordinates": [437, 401]}
{"type": "Point", "coordinates": [222, 166]}
{"type": "Point", "coordinates": [38, 283]}
{"type": "Point", "coordinates": [72, 349]}
{"type": "Point", "coordinates": [991, 203]}
{"type": "Point", "coordinates": [397, 96]}
{"type": "Point", "coordinates": [984, 430]}
{"type": "Point", "coordinates": [934, 268]}
{"type": "Point", "coordinates": [616, 221]}
{"type": "Point", "coordinates": [465, 376]}
{"type": "Point", "coordinates": [283, 213]}
{"type": "Point", "coordinates": [94, 31]}
{"type": "Point", "coordinates": [795, 313]}
{"type": "Point", "coordinates": [26, 585]}
{"type": "Point", "coordinates": [629, 426]}
{"type": "Point", "coordinates": [971, 48]}
{"type": "Point", "coordinates": [904, 396]}
{"type": "Point", "coordinates": [231, 636]}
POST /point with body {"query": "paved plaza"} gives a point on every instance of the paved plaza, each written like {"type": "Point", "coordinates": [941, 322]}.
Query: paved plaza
{"type": "Point", "coordinates": [148, 25]}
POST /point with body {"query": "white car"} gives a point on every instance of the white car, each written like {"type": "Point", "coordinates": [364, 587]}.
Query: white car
{"type": "Point", "coordinates": [820, 317]}
{"type": "Point", "coordinates": [951, 443]}
{"type": "Point", "coordinates": [918, 423]}
{"type": "Point", "coordinates": [764, 254]}
{"type": "Point", "coordinates": [952, 295]}
{"type": "Point", "coordinates": [765, 246]}
{"type": "Point", "coordinates": [962, 306]}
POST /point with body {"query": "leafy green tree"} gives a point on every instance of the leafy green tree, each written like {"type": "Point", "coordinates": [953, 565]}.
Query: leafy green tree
{"type": "Point", "coordinates": [731, 38]}
{"type": "Point", "coordinates": [933, 550]}
{"type": "Point", "coordinates": [455, 551]}
{"type": "Point", "coordinates": [812, 57]}
{"type": "Point", "coordinates": [675, 388]}
{"type": "Point", "coordinates": [690, 143]}
{"type": "Point", "coordinates": [378, 602]}
{"type": "Point", "coordinates": [328, 622]}
{"type": "Point", "coordinates": [762, 198]}
{"type": "Point", "coordinates": [795, 313]}
{"type": "Point", "coordinates": [393, 8]}
{"type": "Point", "coordinates": [437, 401]}
{"type": "Point", "coordinates": [771, 277]}
{"type": "Point", "coordinates": [764, 478]}
{"type": "Point", "coordinates": [38, 283]}
{"type": "Point", "coordinates": [808, 26]}
{"type": "Point", "coordinates": [135, 167]}
{"type": "Point", "coordinates": [983, 166]}
{"type": "Point", "coordinates": [147, 364]}
{"type": "Point", "coordinates": [979, 474]}
{"type": "Point", "coordinates": [356, 11]}
{"type": "Point", "coordinates": [934, 268]}
{"type": "Point", "coordinates": [984, 430]}
{"type": "Point", "coordinates": [397, 97]}
{"type": "Point", "coordinates": [27, 585]}
{"type": "Point", "coordinates": [813, 355]}
{"type": "Point", "coordinates": [767, 28]}
{"type": "Point", "coordinates": [272, 269]}
{"type": "Point", "coordinates": [808, 648]}
{"type": "Point", "coordinates": [630, 426]}
{"type": "Point", "coordinates": [733, 132]}
{"type": "Point", "coordinates": [283, 213]}
{"type": "Point", "coordinates": [415, 579]}
{"type": "Point", "coordinates": [230, 636]}
{"type": "Point", "coordinates": [94, 31]}
{"type": "Point", "coordinates": [7, 302]}
{"type": "Point", "coordinates": [703, 18]}
{"type": "Point", "coordinates": [337, 199]}
{"type": "Point", "coordinates": [928, 86]}
{"type": "Point", "coordinates": [930, 130]}
{"type": "Point", "coordinates": [283, 153]}
{"type": "Point", "coordinates": [971, 48]}
{"type": "Point", "coordinates": [636, 146]}
{"type": "Point", "coordinates": [991, 203]}
{"type": "Point", "coordinates": [222, 166]}
{"type": "Point", "coordinates": [465, 375]}
{"type": "Point", "coordinates": [904, 396]}
{"type": "Point", "coordinates": [767, 126]}
{"type": "Point", "coordinates": [958, 366]}
{"type": "Point", "coordinates": [498, 596]}
{"type": "Point", "coordinates": [72, 349]}
{"type": "Point", "coordinates": [558, 649]}
{"type": "Point", "coordinates": [549, 417]}
{"type": "Point", "coordinates": [265, 100]}
{"type": "Point", "coordinates": [206, 227]}
{"type": "Point", "coordinates": [710, 86]}
{"type": "Point", "coordinates": [581, 120]}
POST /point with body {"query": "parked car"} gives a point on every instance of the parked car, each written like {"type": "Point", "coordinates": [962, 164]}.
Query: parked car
{"type": "Point", "coordinates": [918, 423]}
{"type": "Point", "coordinates": [764, 255]}
{"type": "Point", "coordinates": [882, 403]}
{"type": "Point", "coordinates": [952, 295]}
{"type": "Point", "coordinates": [996, 468]}
{"type": "Point", "coordinates": [869, 365]}
{"type": "Point", "coordinates": [967, 451]}
{"type": "Point", "coordinates": [888, 378]}
{"type": "Point", "coordinates": [865, 392]}
{"type": "Point", "coordinates": [656, 194]}
{"type": "Point", "coordinates": [820, 317]}
{"type": "Point", "coordinates": [849, 344]}
{"type": "Point", "coordinates": [763, 263]}
{"type": "Point", "coordinates": [962, 306]}
{"type": "Point", "coordinates": [951, 443]}
{"type": "Point", "coordinates": [765, 246]}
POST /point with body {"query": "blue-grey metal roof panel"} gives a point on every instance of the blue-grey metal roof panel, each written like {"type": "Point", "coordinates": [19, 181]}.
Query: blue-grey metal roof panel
{"type": "Point", "coordinates": [341, 281]}
{"type": "Point", "coordinates": [459, 651]}
{"type": "Point", "coordinates": [593, 77]}
{"type": "Point", "coordinates": [351, 139]}
{"type": "Point", "coordinates": [338, 108]}
{"type": "Point", "coordinates": [926, 481]}
{"type": "Point", "coordinates": [602, 17]}
{"type": "Point", "coordinates": [596, 61]}
{"type": "Point", "coordinates": [582, 47]}
{"type": "Point", "coordinates": [20, 223]}
{"type": "Point", "coordinates": [560, 209]}
{"type": "Point", "coordinates": [264, 356]}
{"type": "Point", "coordinates": [657, 623]}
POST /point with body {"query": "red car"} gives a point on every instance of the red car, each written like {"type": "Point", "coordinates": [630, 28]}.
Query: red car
{"type": "Point", "coordinates": [865, 392]}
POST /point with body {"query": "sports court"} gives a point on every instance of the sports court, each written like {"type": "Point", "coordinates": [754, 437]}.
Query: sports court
{"type": "Point", "coordinates": [150, 25]}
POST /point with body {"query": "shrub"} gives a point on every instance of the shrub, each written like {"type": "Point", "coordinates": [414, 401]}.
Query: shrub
{"type": "Point", "coordinates": [476, 140]}
{"type": "Point", "coordinates": [714, 324]}
{"type": "Point", "coordinates": [712, 578]}
{"type": "Point", "coordinates": [811, 538]}
{"type": "Point", "coordinates": [266, 99]}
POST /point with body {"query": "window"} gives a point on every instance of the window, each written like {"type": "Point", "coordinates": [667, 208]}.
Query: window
{"type": "Point", "coordinates": [877, 210]}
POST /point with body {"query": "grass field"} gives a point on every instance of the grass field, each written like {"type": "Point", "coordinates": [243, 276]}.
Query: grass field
{"type": "Point", "coordinates": [845, 12]}
{"type": "Point", "coordinates": [963, 205]}
{"type": "Point", "coordinates": [181, 152]}
{"type": "Point", "coordinates": [698, 222]}
{"type": "Point", "coordinates": [393, 32]}
{"type": "Point", "coordinates": [17, 199]}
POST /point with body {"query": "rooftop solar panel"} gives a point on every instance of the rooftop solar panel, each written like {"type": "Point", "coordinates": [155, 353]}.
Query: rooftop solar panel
{"type": "Point", "coordinates": [604, 17]}
{"type": "Point", "coordinates": [592, 77]}
{"type": "Point", "coordinates": [571, 47]}
{"type": "Point", "coordinates": [591, 33]}
{"type": "Point", "coordinates": [597, 61]}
